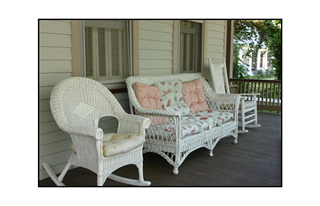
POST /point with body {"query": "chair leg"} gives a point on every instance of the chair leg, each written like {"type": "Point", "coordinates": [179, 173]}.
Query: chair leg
{"type": "Point", "coordinates": [140, 182]}
{"type": "Point", "coordinates": [243, 121]}
{"type": "Point", "coordinates": [175, 170]}
{"type": "Point", "coordinates": [63, 173]}
{"type": "Point", "coordinates": [52, 174]}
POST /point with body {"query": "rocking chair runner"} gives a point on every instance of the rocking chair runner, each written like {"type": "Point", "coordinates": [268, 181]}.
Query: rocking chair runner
{"type": "Point", "coordinates": [248, 108]}
{"type": "Point", "coordinates": [77, 104]}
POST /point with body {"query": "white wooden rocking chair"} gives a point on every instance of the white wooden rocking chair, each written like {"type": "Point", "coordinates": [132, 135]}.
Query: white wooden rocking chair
{"type": "Point", "coordinates": [77, 104]}
{"type": "Point", "coordinates": [248, 108]}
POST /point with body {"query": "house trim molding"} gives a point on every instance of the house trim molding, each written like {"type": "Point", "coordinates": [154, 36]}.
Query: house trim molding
{"type": "Point", "coordinates": [76, 50]}
{"type": "Point", "coordinates": [135, 48]}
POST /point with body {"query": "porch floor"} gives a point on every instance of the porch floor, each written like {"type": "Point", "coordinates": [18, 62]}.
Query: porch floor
{"type": "Point", "coordinates": [255, 161]}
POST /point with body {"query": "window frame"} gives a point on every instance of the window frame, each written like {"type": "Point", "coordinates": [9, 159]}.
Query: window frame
{"type": "Point", "coordinates": [202, 38]}
{"type": "Point", "coordinates": [128, 55]}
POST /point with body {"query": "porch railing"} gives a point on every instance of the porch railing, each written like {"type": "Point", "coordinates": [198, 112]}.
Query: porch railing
{"type": "Point", "coordinates": [270, 92]}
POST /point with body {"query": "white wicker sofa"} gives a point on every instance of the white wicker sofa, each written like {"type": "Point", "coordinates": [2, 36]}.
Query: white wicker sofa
{"type": "Point", "coordinates": [167, 134]}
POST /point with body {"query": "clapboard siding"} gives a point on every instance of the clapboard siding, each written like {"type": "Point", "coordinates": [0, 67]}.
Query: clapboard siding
{"type": "Point", "coordinates": [215, 43]}
{"type": "Point", "coordinates": [55, 27]}
{"type": "Point", "coordinates": [55, 64]}
{"type": "Point", "coordinates": [155, 36]}
{"type": "Point", "coordinates": [155, 47]}
{"type": "Point", "coordinates": [55, 53]}
{"type": "Point", "coordinates": [55, 40]}
{"type": "Point", "coordinates": [156, 26]}
{"type": "Point", "coordinates": [52, 66]}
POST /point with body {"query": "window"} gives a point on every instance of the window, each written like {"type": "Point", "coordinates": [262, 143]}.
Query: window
{"type": "Point", "coordinates": [190, 47]}
{"type": "Point", "coordinates": [106, 50]}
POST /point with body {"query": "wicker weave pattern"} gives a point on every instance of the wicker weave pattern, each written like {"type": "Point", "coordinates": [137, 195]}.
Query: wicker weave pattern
{"type": "Point", "coordinates": [77, 104]}
{"type": "Point", "coordinates": [174, 148]}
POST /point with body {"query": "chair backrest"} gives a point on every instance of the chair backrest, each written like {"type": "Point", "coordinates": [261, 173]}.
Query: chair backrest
{"type": "Point", "coordinates": [81, 101]}
{"type": "Point", "coordinates": [219, 76]}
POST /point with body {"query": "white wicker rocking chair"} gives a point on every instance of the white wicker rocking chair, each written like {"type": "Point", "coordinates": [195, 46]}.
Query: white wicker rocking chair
{"type": "Point", "coordinates": [77, 104]}
{"type": "Point", "coordinates": [248, 108]}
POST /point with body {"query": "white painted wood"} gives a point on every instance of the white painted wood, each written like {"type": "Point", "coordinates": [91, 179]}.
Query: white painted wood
{"type": "Point", "coordinates": [216, 27]}
{"type": "Point", "coordinates": [55, 40]}
{"type": "Point", "coordinates": [220, 85]}
{"type": "Point", "coordinates": [45, 116]}
{"type": "Point", "coordinates": [44, 105]}
{"type": "Point", "coordinates": [55, 147]}
{"type": "Point", "coordinates": [52, 66]}
{"type": "Point", "coordinates": [56, 158]}
{"type": "Point", "coordinates": [149, 25]}
{"type": "Point", "coordinates": [44, 93]}
{"type": "Point", "coordinates": [52, 175]}
{"type": "Point", "coordinates": [215, 42]}
{"type": "Point", "coordinates": [151, 54]}
{"type": "Point", "coordinates": [219, 49]}
{"type": "Point", "coordinates": [215, 55]}
{"type": "Point", "coordinates": [155, 64]}
{"type": "Point", "coordinates": [53, 53]}
{"type": "Point", "coordinates": [218, 35]}
{"type": "Point", "coordinates": [52, 79]}
{"type": "Point", "coordinates": [48, 127]}
{"type": "Point", "coordinates": [221, 22]}
{"type": "Point", "coordinates": [164, 21]}
{"type": "Point", "coordinates": [155, 45]}
{"type": "Point", "coordinates": [155, 71]}
{"type": "Point", "coordinates": [54, 27]}
{"type": "Point", "coordinates": [156, 36]}
{"type": "Point", "coordinates": [52, 137]}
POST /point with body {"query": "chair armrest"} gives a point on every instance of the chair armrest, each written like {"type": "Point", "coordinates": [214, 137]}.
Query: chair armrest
{"type": "Point", "coordinates": [143, 121]}
{"type": "Point", "coordinates": [97, 133]}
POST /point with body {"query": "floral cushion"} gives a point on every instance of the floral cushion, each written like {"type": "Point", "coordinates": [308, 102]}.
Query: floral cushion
{"type": "Point", "coordinates": [194, 123]}
{"type": "Point", "coordinates": [171, 96]}
{"type": "Point", "coordinates": [149, 98]}
{"type": "Point", "coordinates": [114, 144]}
{"type": "Point", "coordinates": [193, 96]}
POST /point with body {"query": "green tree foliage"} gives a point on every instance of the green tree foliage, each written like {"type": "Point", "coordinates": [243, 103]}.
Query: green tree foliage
{"type": "Point", "coordinates": [257, 33]}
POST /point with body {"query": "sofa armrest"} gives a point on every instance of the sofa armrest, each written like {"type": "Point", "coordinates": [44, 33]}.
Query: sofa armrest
{"type": "Point", "coordinates": [224, 102]}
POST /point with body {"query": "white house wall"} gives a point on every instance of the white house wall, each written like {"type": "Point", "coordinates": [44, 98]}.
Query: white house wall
{"type": "Point", "coordinates": [216, 41]}
{"type": "Point", "coordinates": [155, 47]}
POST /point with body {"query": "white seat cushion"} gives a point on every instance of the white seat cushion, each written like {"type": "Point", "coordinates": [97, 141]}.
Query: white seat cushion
{"type": "Point", "coordinates": [192, 124]}
{"type": "Point", "coordinates": [114, 144]}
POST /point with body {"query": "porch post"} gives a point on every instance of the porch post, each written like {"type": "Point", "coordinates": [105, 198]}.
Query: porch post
{"type": "Point", "coordinates": [229, 48]}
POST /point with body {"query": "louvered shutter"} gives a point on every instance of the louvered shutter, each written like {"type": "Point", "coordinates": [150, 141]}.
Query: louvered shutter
{"type": "Point", "coordinates": [89, 51]}
{"type": "Point", "coordinates": [116, 54]}
{"type": "Point", "coordinates": [102, 53]}
{"type": "Point", "coordinates": [104, 49]}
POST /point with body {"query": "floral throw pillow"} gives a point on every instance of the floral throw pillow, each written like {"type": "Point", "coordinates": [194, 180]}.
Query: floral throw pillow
{"type": "Point", "coordinates": [171, 96]}
{"type": "Point", "coordinates": [149, 98]}
{"type": "Point", "coordinates": [193, 96]}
